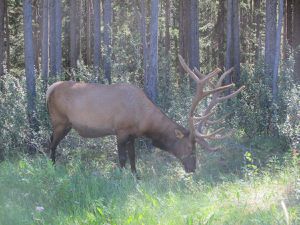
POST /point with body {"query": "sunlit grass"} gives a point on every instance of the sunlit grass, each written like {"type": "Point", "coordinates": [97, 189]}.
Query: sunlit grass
{"type": "Point", "coordinates": [32, 191]}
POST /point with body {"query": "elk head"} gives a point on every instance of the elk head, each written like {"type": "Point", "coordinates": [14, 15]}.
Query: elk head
{"type": "Point", "coordinates": [199, 125]}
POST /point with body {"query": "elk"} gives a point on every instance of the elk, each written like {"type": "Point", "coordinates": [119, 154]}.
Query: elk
{"type": "Point", "coordinates": [97, 110]}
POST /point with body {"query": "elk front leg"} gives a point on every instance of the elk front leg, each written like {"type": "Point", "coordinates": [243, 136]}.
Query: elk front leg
{"type": "Point", "coordinates": [122, 151]}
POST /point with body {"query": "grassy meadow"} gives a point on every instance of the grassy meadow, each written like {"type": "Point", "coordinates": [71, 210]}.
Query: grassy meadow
{"type": "Point", "coordinates": [224, 190]}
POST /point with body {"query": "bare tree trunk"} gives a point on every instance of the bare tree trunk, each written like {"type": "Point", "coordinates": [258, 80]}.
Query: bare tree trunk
{"type": "Point", "coordinates": [58, 33]}
{"type": "Point", "coordinates": [2, 49]}
{"type": "Point", "coordinates": [289, 21]}
{"type": "Point", "coordinates": [52, 38]}
{"type": "Point", "coordinates": [107, 11]}
{"type": "Point", "coordinates": [220, 33]}
{"type": "Point", "coordinates": [7, 35]}
{"type": "Point", "coordinates": [194, 57]}
{"type": "Point", "coordinates": [88, 33]}
{"type": "Point", "coordinates": [36, 29]}
{"type": "Point", "coordinates": [29, 71]}
{"type": "Point", "coordinates": [167, 35]}
{"type": "Point", "coordinates": [229, 34]}
{"type": "Point", "coordinates": [45, 45]}
{"type": "Point", "coordinates": [184, 24]}
{"type": "Point", "coordinates": [270, 42]}
{"type": "Point", "coordinates": [144, 40]}
{"type": "Point", "coordinates": [277, 53]}
{"type": "Point", "coordinates": [74, 33]}
{"type": "Point", "coordinates": [236, 40]}
{"type": "Point", "coordinates": [296, 41]}
{"type": "Point", "coordinates": [97, 45]}
{"type": "Point", "coordinates": [257, 5]}
{"type": "Point", "coordinates": [153, 60]}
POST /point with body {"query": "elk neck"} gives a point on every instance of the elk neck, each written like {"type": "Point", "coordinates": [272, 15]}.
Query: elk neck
{"type": "Point", "coordinates": [162, 132]}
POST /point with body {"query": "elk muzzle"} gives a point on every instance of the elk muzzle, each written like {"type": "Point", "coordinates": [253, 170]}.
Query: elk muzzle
{"type": "Point", "coordinates": [189, 163]}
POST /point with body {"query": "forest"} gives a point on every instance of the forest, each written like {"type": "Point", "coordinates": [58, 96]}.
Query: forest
{"type": "Point", "coordinates": [181, 57]}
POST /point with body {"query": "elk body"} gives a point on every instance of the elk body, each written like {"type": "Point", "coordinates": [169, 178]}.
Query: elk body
{"type": "Point", "coordinates": [96, 110]}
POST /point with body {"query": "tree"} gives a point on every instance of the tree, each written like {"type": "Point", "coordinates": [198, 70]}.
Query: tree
{"type": "Point", "coordinates": [167, 32]}
{"type": "Point", "coordinates": [151, 84]}
{"type": "Point", "coordinates": [29, 70]}
{"type": "Point", "coordinates": [220, 33]}
{"type": "Point", "coordinates": [257, 19]}
{"type": "Point", "coordinates": [88, 32]}
{"type": "Point", "coordinates": [296, 39]}
{"type": "Point", "coordinates": [58, 32]}
{"type": "Point", "coordinates": [143, 30]}
{"type": "Point", "coordinates": [107, 17]}
{"type": "Point", "coordinates": [36, 33]}
{"type": "Point", "coordinates": [233, 39]}
{"type": "Point", "coordinates": [52, 38]}
{"type": "Point", "coordinates": [194, 58]}
{"type": "Point", "coordinates": [2, 50]}
{"type": "Point", "coordinates": [97, 45]}
{"type": "Point", "coordinates": [236, 40]}
{"type": "Point", "coordinates": [277, 53]}
{"type": "Point", "coordinates": [270, 42]}
{"type": "Point", "coordinates": [45, 44]}
{"type": "Point", "coordinates": [74, 33]}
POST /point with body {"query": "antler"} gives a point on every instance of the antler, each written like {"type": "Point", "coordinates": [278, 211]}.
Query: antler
{"type": "Point", "coordinates": [215, 90]}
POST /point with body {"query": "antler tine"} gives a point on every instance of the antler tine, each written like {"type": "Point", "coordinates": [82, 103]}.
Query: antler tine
{"type": "Point", "coordinates": [222, 77]}
{"type": "Point", "coordinates": [188, 70]}
{"type": "Point", "coordinates": [210, 135]}
{"type": "Point", "coordinates": [221, 120]}
{"type": "Point", "coordinates": [233, 94]}
{"type": "Point", "coordinates": [206, 146]}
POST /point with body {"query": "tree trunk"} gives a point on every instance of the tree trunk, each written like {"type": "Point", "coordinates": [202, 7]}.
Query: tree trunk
{"type": "Point", "coordinates": [36, 38]}
{"type": "Point", "coordinates": [144, 40]}
{"type": "Point", "coordinates": [194, 58]}
{"type": "Point", "coordinates": [296, 41]}
{"type": "Point", "coordinates": [88, 33]}
{"type": "Point", "coordinates": [52, 38]}
{"type": "Point", "coordinates": [107, 12]}
{"type": "Point", "coordinates": [236, 40]}
{"type": "Point", "coordinates": [97, 45]}
{"type": "Point", "coordinates": [74, 33]}
{"type": "Point", "coordinates": [184, 24]}
{"type": "Point", "coordinates": [270, 42]}
{"type": "Point", "coordinates": [7, 36]}
{"type": "Point", "coordinates": [229, 34]}
{"type": "Point", "coordinates": [45, 45]}
{"type": "Point", "coordinates": [277, 53]}
{"type": "Point", "coordinates": [58, 32]}
{"type": "Point", "coordinates": [167, 35]}
{"type": "Point", "coordinates": [29, 70]}
{"type": "Point", "coordinates": [220, 33]}
{"type": "Point", "coordinates": [66, 35]}
{"type": "Point", "coordinates": [2, 49]}
{"type": "Point", "coordinates": [289, 21]}
{"type": "Point", "coordinates": [257, 5]}
{"type": "Point", "coordinates": [153, 60]}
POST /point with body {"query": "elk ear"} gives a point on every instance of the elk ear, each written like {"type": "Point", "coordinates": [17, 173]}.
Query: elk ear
{"type": "Point", "coordinates": [179, 134]}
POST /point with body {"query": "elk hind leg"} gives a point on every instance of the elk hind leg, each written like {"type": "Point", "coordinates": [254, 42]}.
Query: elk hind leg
{"type": "Point", "coordinates": [59, 132]}
{"type": "Point", "coordinates": [131, 154]}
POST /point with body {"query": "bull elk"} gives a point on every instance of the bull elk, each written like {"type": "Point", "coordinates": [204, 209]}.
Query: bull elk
{"type": "Point", "coordinates": [96, 110]}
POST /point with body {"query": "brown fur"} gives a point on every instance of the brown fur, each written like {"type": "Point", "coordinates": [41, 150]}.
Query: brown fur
{"type": "Point", "coordinates": [96, 110]}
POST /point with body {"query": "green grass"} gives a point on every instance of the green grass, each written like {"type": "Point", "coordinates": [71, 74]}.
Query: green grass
{"type": "Point", "coordinates": [80, 193]}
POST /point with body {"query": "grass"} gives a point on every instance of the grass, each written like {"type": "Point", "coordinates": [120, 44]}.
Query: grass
{"type": "Point", "coordinates": [32, 191]}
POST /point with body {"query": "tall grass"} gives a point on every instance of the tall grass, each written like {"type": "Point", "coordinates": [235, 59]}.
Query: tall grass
{"type": "Point", "coordinates": [32, 191]}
